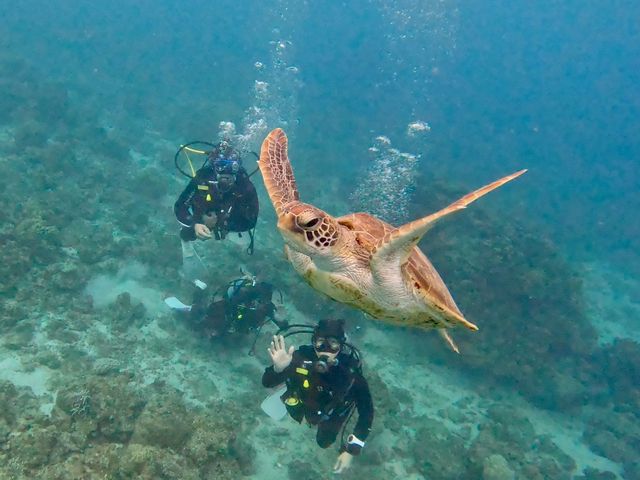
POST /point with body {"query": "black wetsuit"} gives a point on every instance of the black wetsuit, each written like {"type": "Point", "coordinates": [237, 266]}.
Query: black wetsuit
{"type": "Point", "coordinates": [324, 399]}
{"type": "Point", "coordinates": [245, 309]}
{"type": "Point", "coordinates": [236, 209]}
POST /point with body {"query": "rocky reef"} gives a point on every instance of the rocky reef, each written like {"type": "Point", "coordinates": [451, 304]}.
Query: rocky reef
{"type": "Point", "coordinates": [101, 382]}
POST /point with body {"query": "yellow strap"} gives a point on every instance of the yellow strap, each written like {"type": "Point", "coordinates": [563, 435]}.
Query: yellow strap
{"type": "Point", "coordinates": [193, 150]}
{"type": "Point", "coordinates": [193, 172]}
{"type": "Point", "coordinates": [302, 371]}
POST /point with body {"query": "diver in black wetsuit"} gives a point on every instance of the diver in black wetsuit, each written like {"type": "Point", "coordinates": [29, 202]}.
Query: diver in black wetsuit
{"type": "Point", "coordinates": [324, 385]}
{"type": "Point", "coordinates": [219, 199]}
{"type": "Point", "coordinates": [244, 306]}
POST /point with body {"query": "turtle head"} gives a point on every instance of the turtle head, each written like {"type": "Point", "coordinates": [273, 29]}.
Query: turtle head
{"type": "Point", "coordinates": [308, 229]}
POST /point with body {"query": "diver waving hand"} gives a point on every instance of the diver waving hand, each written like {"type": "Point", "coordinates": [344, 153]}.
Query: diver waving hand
{"type": "Point", "coordinates": [324, 384]}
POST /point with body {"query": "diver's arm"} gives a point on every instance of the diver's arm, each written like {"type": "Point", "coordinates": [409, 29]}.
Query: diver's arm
{"type": "Point", "coordinates": [245, 211]}
{"type": "Point", "coordinates": [253, 206]}
{"type": "Point", "coordinates": [272, 379]}
{"type": "Point", "coordinates": [183, 205]}
{"type": "Point", "coordinates": [364, 404]}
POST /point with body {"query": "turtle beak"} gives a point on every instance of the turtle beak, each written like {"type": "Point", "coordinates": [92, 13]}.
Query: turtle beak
{"type": "Point", "coordinates": [286, 223]}
{"type": "Point", "coordinates": [288, 227]}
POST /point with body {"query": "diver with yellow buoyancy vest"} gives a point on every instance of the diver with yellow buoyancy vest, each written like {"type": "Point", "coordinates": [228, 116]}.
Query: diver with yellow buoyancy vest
{"type": "Point", "coordinates": [324, 385]}
{"type": "Point", "coordinates": [220, 197]}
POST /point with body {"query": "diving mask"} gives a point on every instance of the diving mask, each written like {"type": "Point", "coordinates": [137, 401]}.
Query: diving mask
{"type": "Point", "coordinates": [228, 166]}
{"type": "Point", "coordinates": [327, 344]}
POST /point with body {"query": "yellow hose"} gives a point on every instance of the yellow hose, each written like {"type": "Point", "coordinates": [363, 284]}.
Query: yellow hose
{"type": "Point", "coordinates": [192, 150]}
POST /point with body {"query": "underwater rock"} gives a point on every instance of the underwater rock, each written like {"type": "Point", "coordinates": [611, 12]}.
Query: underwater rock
{"type": "Point", "coordinates": [11, 312]}
{"type": "Point", "coordinates": [124, 313]}
{"type": "Point", "coordinates": [66, 276]}
{"type": "Point", "coordinates": [106, 366]}
{"type": "Point", "coordinates": [20, 336]}
{"type": "Point", "coordinates": [303, 471]}
{"type": "Point", "coordinates": [49, 359]}
{"type": "Point", "coordinates": [30, 134]}
{"type": "Point", "coordinates": [104, 408]}
{"type": "Point", "coordinates": [148, 462]}
{"type": "Point", "coordinates": [593, 474]}
{"type": "Point", "coordinates": [619, 368]}
{"type": "Point", "coordinates": [631, 471]}
{"type": "Point", "coordinates": [215, 446]}
{"type": "Point", "coordinates": [614, 435]}
{"type": "Point", "coordinates": [387, 407]}
{"type": "Point", "coordinates": [151, 183]}
{"type": "Point", "coordinates": [436, 451]}
{"type": "Point", "coordinates": [495, 467]}
{"type": "Point", "coordinates": [34, 446]}
{"type": "Point", "coordinates": [98, 243]}
{"type": "Point", "coordinates": [510, 434]}
{"type": "Point", "coordinates": [243, 452]}
{"type": "Point", "coordinates": [164, 423]}
{"type": "Point", "coordinates": [52, 103]}
{"type": "Point", "coordinates": [510, 426]}
{"type": "Point", "coordinates": [8, 396]}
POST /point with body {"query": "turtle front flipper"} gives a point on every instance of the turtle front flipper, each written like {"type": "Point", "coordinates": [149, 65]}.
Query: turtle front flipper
{"type": "Point", "coordinates": [398, 244]}
{"type": "Point", "coordinates": [276, 170]}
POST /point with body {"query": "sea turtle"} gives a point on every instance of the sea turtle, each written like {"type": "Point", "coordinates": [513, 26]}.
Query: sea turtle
{"type": "Point", "coordinates": [360, 260]}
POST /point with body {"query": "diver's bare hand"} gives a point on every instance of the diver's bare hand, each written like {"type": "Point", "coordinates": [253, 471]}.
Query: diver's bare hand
{"type": "Point", "coordinates": [343, 463]}
{"type": "Point", "coordinates": [280, 356]}
{"type": "Point", "coordinates": [202, 231]}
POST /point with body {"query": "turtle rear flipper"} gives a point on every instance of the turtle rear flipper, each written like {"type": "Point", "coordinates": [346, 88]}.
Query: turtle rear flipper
{"type": "Point", "coordinates": [447, 338]}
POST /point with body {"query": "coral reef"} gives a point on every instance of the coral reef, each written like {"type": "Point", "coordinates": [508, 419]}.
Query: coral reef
{"type": "Point", "coordinates": [105, 426]}
{"type": "Point", "coordinates": [122, 389]}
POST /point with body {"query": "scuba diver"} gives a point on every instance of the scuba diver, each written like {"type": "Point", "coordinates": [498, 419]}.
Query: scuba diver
{"type": "Point", "coordinates": [324, 384]}
{"type": "Point", "coordinates": [220, 198]}
{"type": "Point", "coordinates": [241, 306]}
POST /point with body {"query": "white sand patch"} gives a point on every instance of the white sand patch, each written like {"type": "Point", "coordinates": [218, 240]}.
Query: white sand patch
{"type": "Point", "coordinates": [612, 309]}
{"type": "Point", "coordinates": [37, 379]}
{"type": "Point", "coordinates": [566, 432]}
{"type": "Point", "coordinates": [434, 389]}
{"type": "Point", "coordinates": [104, 289]}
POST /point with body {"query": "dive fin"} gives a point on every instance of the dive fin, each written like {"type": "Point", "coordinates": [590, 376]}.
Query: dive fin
{"type": "Point", "coordinates": [175, 304]}
{"type": "Point", "coordinates": [273, 405]}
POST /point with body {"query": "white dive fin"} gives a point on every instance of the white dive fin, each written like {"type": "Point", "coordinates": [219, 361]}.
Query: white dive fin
{"type": "Point", "coordinates": [273, 405]}
{"type": "Point", "coordinates": [175, 304]}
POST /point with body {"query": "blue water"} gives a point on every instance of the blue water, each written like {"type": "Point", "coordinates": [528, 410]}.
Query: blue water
{"type": "Point", "coordinates": [395, 108]}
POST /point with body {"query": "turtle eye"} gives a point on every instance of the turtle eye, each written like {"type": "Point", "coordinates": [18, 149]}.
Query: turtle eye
{"type": "Point", "coordinates": [308, 224]}
{"type": "Point", "coordinates": [311, 223]}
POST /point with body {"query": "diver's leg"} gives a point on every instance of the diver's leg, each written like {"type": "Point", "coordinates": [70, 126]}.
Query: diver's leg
{"type": "Point", "coordinates": [215, 322]}
{"type": "Point", "coordinates": [328, 431]}
{"type": "Point", "coordinates": [192, 267]}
